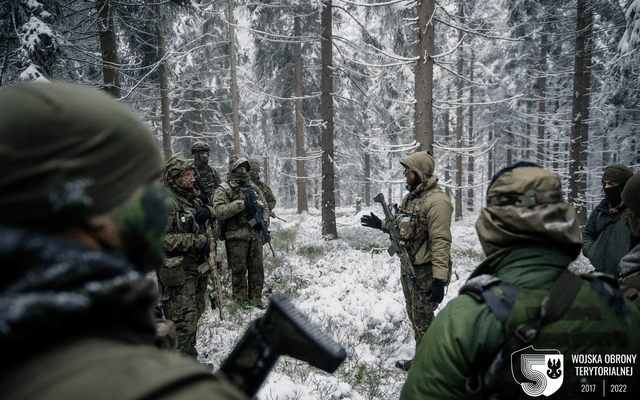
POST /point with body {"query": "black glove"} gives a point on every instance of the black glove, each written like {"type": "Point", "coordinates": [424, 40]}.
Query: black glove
{"type": "Point", "coordinates": [202, 215]}
{"type": "Point", "coordinates": [436, 291]}
{"type": "Point", "coordinates": [252, 208]}
{"type": "Point", "coordinates": [371, 221]}
{"type": "Point", "coordinates": [205, 249]}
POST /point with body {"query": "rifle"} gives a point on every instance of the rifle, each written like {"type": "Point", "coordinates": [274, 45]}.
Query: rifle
{"type": "Point", "coordinates": [273, 215]}
{"type": "Point", "coordinates": [257, 218]}
{"type": "Point", "coordinates": [398, 248]}
{"type": "Point", "coordinates": [283, 330]}
{"type": "Point", "coordinates": [203, 189]}
{"type": "Point", "coordinates": [213, 265]}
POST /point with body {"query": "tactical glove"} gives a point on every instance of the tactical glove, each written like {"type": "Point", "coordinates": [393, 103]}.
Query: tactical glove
{"type": "Point", "coordinates": [202, 215]}
{"type": "Point", "coordinates": [371, 221]}
{"type": "Point", "coordinates": [436, 291]}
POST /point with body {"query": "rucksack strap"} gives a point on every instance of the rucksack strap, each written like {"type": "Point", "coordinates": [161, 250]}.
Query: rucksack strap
{"type": "Point", "coordinates": [553, 306]}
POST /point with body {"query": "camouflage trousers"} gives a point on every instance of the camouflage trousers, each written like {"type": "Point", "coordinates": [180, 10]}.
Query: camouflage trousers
{"type": "Point", "coordinates": [247, 273]}
{"type": "Point", "coordinates": [419, 315]}
{"type": "Point", "coordinates": [184, 305]}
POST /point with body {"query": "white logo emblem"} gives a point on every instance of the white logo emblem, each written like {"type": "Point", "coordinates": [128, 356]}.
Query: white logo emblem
{"type": "Point", "coordinates": [539, 372]}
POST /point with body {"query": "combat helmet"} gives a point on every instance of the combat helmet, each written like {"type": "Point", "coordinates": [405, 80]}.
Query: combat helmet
{"type": "Point", "coordinates": [199, 146]}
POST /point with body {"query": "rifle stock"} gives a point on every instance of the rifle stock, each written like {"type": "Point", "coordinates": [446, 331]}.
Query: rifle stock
{"type": "Point", "coordinates": [283, 330]}
{"type": "Point", "coordinates": [398, 248]}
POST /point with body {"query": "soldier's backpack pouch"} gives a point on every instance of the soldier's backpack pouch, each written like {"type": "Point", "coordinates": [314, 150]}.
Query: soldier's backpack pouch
{"type": "Point", "coordinates": [172, 273]}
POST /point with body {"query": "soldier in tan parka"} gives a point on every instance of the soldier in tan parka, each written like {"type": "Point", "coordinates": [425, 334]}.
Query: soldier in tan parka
{"type": "Point", "coordinates": [424, 220]}
{"type": "Point", "coordinates": [243, 242]}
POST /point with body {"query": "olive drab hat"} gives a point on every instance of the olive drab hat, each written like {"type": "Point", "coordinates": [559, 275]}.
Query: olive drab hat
{"type": "Point", "coordinates": [68, 153]}
{"type": "Point", "coordinates": [617, 173]}
{"type": "Point", "coordinates": [255, 167]}
{"type": "Point", "coordinates": [525, 207]}
{"type": "Point", "coordinates": [631, 194]}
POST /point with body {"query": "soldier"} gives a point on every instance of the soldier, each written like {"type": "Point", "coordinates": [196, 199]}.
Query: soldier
{"type": "Point", "coordinates": [185, 275]}
{"type": "Point", "coordinates": [424, 220]}
{"type": "Point", "coordinates": [82, 219]}
{"type": "Point", "coordinates": [266, 190]}
{"type": "Point", "coordinates": [208, 175]}
{"type": "Point", "coordinates": [523, 295]}
{"type": "Point", "coordinates": [629, 267]}
{"type": "Point", "coordinates": [606, 236]}
{"type": "Point", "coordinates": [243, 243]}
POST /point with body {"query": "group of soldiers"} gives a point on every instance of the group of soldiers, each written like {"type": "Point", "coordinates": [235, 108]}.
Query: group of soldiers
{"type": "Point", "coordinates": [522, 298]}
{"type": "Point", "coordinates": [78, 238]}
{"type": "Point", "coordinates": [204, 210]}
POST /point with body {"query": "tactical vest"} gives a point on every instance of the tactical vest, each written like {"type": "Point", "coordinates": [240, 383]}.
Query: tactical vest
{"type": "Point", "coordinates": [572, 318]}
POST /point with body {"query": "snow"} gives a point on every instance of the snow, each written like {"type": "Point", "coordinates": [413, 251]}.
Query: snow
{"type": "Point", "coordinates": [350, 287]}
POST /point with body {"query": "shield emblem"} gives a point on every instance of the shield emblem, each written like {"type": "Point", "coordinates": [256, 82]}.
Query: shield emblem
{"type": "Point", "coordinates": [539, 372]}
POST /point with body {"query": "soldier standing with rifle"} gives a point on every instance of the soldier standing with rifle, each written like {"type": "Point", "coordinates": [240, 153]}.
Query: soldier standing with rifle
{"type": "Point", "coordinates": [208, 175]}
{"type": "Point", "coordinates": [185, 275]}
{"type": "Point", "coordinates": [423, 223]}
{"type": "Point", "coordinates": [234, 209]}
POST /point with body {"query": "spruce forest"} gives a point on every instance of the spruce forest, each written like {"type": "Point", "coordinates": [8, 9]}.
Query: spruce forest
{"type": "Point", "coordinates": [329, 95]}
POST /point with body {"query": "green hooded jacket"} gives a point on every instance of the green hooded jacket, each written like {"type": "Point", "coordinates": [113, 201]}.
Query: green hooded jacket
{"type": "Point", "coordinates": [606, 239]}
{"type": "Point", "coordinates": [466, 335]}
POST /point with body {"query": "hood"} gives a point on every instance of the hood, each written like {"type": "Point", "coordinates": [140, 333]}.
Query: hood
{"type": "Point", "coordinates": [422, 163]}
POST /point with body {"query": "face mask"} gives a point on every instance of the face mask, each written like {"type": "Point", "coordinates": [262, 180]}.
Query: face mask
{"type": "Point", "coordinates": [142, 225]}
{"type": "Point", "coordinates": [241, 177]}
{"type": "Point", "coordinates": [613, 194]}
{"type": "Point", "coordinates": [203, 159]}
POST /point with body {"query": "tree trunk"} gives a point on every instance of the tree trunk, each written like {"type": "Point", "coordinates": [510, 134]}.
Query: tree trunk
{"type": "Point", "coordinates": [234, 81]}
{"type": "Point", "coordinates": [542, 105]}
{"type": "Point", "coordinates": [490, 156]}
{"type": "Point", "coordinates": [109, 48]}
{"type": "Point", "coordinates": [329, 229]}
{"type": "Point", "coordinates": [198, 109]}
{"type": "Point", "coordinates": [458, 215]}
{"type": "Point", "coordinates": [580, 110]}
{"type": "Point", "coordinates": [447, 166]}
{"type": "Point", "coordinates": [470, 164]}
{"type": "Point", "coordinates": [367, 179]}
{"type": "Point", "coordinates": [424, 49]}
{"type": "Point", "coordinates": [164, 87]}
{"type": "Point", "coordinates": [301, 180]}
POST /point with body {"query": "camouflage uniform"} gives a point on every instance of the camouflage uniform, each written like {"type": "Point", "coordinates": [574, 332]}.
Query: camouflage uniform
{"type": "Point", "coordinates": [208, 175]}
{"type": "Point", "coordinates": [427, 238]}
{"type": "Point", "coordinates": [183, 282]}
{"type": "Point", "coordinates": [629, 267]}
{"type": "Point", "coordinates": [266, 190]}
{"type": "Point", "coordinates": [243, 243]}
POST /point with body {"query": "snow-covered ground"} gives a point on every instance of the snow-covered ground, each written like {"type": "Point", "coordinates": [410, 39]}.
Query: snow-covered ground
{"type": "Point", "coordinates": [351, 288]}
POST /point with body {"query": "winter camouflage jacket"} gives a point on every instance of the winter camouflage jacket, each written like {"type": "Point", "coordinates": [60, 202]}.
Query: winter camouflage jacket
{"type": "Point", "coordinates": [466, 335]}
{"type": "Point", "coordinates": [228, 204]}
{"type": "Point", "coordinates": [427, 237]}
{"type": "Point", "coordinates": [605, 241]}
{"type": "Point", "coordinates": [80, 323]}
